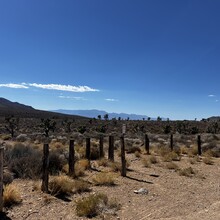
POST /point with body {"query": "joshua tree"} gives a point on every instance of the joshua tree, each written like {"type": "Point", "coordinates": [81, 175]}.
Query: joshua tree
{"type": "Point", "coordinates": [106, 116]}
{"type": "Point", "coordinates": [99, 117]}
{"type": "Point", "coordinates": [47, 125]}
{"type": "Point", "coordinates": [12, 124]}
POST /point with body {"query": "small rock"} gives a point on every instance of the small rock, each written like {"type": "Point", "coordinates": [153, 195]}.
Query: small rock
{"type": "Point", "coordinates": [142, 191]}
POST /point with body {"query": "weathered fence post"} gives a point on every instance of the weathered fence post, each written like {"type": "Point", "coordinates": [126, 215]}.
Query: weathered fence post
{"type": "Point", "coordinates": [101, 151]}
{"type": "Point", "coordinates": [111, 148]}
{"type": "Point", "coordinates": [199, 145]}
{"type": "Point", "coordinates": [147, 144]}
{"type": "Point", "coordinates": [171, 142]}
{"type": "Point", "coordinates": [71, 159]}
{"type": "Point", "coordinates": [45, 176]}
{"type": "Point", "coordinates": [1, 178]}
{"type": "Point", "coordinates": [88, 148]}
{"type": "Point", "coordinates": [123, 160]}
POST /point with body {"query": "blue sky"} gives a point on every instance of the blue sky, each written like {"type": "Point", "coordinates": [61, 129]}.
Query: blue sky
{"type": "Point", "coordinates": [152, 57]}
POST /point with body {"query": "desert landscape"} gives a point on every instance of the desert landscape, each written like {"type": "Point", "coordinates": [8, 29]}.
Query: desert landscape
{"type": "Point", "coordinates": [166, 176]}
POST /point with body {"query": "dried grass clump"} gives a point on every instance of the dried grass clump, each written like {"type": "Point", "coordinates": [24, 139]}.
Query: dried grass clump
{"type": "Point", "coordinates": [61, 185]}
{"type": "Point", "coordinates": [133, 149]}
{"type": "Point", "coordinates": [104, 179]}
{"type": "Point", "coordinates": [11, 196]}
{"type": "Point", "coordinates": [171, 156]}
{"type": "Point", "coordinates": [153, 159]}
{"type": "Point", "coordinates": [81, 186]}
{"type": "Point", "coordinates": [172, 166]}
{"type": "Point", "coordinates": [189, 172]}
{"type": "Point", "coordinates": [146, 162]}
{"type": "Point", "coordinates": [208, 160]}
{"type": "Point", "coordinates": [94, 205]}
{"type": "Point", "coordinates": [184, 150]}
{"type": "Point", "coordinates": [81, 166]}
{"type": "Point", "coordinates": [103, 162]}
{"type": "Point", "coordinates": [193, 151]}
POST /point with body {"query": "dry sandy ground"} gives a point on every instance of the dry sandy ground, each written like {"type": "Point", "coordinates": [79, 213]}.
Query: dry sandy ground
{"type": "Point", "coordinates": [170, 197]}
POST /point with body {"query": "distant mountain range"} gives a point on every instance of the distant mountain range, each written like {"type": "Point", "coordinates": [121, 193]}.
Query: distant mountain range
{"type": "Point", "coordinates": [8, 108]}
{"type": "Point", "coordinates": [94, 114]}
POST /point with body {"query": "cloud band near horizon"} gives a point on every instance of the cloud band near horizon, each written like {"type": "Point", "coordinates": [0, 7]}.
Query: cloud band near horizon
{"type": "Point", "coordinates": [59, 87]}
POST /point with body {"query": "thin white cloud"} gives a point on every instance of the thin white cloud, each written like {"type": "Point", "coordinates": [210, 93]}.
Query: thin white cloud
{"type": "Point", "coordinates": [67, 88]}
{"type": "Point", "coordinates": [111, 100]}
{"type": "Point", "coordinates": [71, 97]}
{"type": "Point", "coordinates": [216, 100]}
{"type": "Point", "coordinates": [14, 86]}
{"type": "Point", "coordinates": [211, 95]}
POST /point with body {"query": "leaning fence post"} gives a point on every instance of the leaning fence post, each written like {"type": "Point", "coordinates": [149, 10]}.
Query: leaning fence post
{"type": "Point", "coordinates": [101, 151]}
{"type": "Point", "coordinates": [45, 176]}
{"type": "Point", "coordinates": [123, 160]}
{"type": "Point", "coordinates": [199, 145]}
{"type": "Point", "coordinates": [71, 159]}
{"type": "Point", "coordinates": [147, 144]}
{"type": "Point", "coordinates": [1, 178]}
{"type": "Point", "coordinates": [111, 148]}
{"type": "Point", "coordinates": [171, 142]}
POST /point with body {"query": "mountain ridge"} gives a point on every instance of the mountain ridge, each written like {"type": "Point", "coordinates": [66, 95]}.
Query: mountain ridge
{"type": "Point", "coordinates": [93, 113]}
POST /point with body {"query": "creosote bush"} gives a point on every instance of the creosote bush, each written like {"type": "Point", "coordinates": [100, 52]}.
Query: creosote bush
{"type": "Point", "coordinates": [24, 161]}
{"type": "Point", "coordinates": [11, 196]}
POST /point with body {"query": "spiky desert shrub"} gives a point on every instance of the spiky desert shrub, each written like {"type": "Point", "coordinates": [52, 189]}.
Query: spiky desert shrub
{"type": "Point", "coordinates": [61, 185]}
{"type": "Point", "coordinates": [11, 195]}
{"type": "Point", "coordinates": [172, 166]}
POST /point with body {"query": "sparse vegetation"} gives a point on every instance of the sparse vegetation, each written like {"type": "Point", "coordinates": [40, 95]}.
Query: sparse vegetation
{"type": "Point", "coordinates": [94, 205]}
{"type": "Point", "coordinates": [104, 179]}
{"type": "Point", "coordinates": [11, 195]}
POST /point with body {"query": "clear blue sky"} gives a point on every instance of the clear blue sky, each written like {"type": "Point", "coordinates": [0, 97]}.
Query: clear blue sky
{"type": "Point", "coordinates": [153, 57]}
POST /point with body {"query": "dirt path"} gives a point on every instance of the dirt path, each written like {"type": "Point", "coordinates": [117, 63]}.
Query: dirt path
{"type": "Point", "coordinates": [170, 197]}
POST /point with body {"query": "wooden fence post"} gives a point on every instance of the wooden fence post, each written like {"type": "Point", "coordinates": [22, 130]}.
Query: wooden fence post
{"type": "Point", "coordinates": [199, 145]}
{"type": "Point", "coordinates": [101, 151]}
{"type": "Point", "coordinates": [71, 159]}
{"type": "Point", "coordinates": [1, 178]}
{"type": "Point", "coordinates": [171, 142]}
{"type": "Point", "coordinates": [45, 176]}
{"type": "Point", "coordinates": [147, 144]}
{"type": "Point", "coordinates": [88, 148]}
{"type": "Point", "coordinates": [123, 160]}
{"type": "Point", "coordinates": [111, 148]}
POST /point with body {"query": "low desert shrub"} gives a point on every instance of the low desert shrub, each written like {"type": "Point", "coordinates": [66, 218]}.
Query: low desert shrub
{"type": "Point", "coordinates": [24, 161]}
{"type": "Point", "coordinates": [146, 162]}
{"type": "Point", "coordinates": [208, 160]}
{"type": "Point", "coordinates": [104, 179]}
{"type": "Point", "coordinates": [61, 185]}
{"type": "Point", "coordinates": [91, 205]}
{"type": "Point", "coordinates": [11, 195]}
{"type": "Point", "coordinates": [7, 177]}
{"type": "Point", "coordinates": [171, 156]}
{"type": "Point", "coordinates": [81, 186]}
{"type": "Point", "coordinates": [94, 205]}
{"type": "Point", "coordinates": [133, 149]}
{"type": "Point", "coordinates": [172, 166]}
{"type": "Point", "coordinates": [56, 162]}
{"type": "Point", "coordinates": [153, 159]}
{"type": "Point", "coordinates": [189, 172]}
{"type": "Point", "coordinates": [137, 154]}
